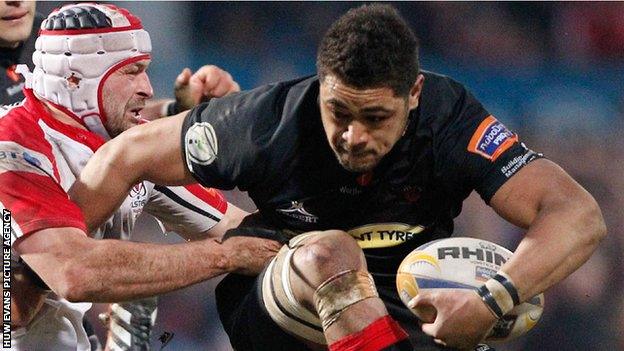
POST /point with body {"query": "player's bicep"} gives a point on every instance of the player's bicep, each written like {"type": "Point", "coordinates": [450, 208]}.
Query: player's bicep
{"type": "Point", "coordinates": [153, 152]}
{"type": "Point", "coordinates": [147, 152]}
{"type": "Point", "coordinates": [538, 185]}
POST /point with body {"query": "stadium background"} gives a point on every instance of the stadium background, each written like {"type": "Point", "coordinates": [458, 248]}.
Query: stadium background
{"type": "Point", "coordinates": [554, 72]}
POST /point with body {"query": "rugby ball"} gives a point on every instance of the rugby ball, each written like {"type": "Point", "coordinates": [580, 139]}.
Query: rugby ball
{"type": "Point", "coordinates": [464, 263]}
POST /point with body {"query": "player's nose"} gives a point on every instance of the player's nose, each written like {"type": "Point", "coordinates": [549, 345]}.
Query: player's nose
{"type": "Point", "coordinates": [356, 134]}
{"type": "Point", "coordinates": [144, 86]}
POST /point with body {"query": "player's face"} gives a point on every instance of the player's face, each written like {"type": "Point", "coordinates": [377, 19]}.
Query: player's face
{"type": "Point", "coordinates": [124, 94]}
{"type": "Point", "coordinates": [16, 20]}
{"type": "Point", "coordinates": [362, 125]}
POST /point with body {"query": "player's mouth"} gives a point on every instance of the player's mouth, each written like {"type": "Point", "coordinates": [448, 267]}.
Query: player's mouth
{"type": "Point", "coordinates": [361, 153]}
{"type": "Point", "coordinates": [15, 16]}
{"type": "Point", "coordinates": [136, 114]}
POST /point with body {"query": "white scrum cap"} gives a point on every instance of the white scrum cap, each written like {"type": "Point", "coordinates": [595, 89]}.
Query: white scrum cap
{"type": "Point", "coordinates": [78, 47]}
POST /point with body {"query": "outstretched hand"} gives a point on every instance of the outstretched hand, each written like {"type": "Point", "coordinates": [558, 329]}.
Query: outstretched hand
{"type": "Point", "coordinates": [249, 255]}
{"type": "Point", "coordinates": [208, 82]}
{"type": "Point", "coordinates": [461, 320]}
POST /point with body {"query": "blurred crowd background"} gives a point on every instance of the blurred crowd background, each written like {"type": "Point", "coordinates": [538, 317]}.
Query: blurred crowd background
{"type": "Point", "coordinates": [552, 71]}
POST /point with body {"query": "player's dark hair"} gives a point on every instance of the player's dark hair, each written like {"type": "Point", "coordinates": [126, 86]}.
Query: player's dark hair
{"type": "Point", "coordinates": [370, 46]}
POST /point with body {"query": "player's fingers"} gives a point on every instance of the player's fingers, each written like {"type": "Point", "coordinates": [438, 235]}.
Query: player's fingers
{"type": "Point", "coordinates": [217, 85]}
{"type": "Point", "coordinates": [209, 76]}
{"type": "Point", "coordinates": [272, 245]}
{"type": "Point", "coordinates": [430, 329]}
{"type": "Point", "coordinates": [205, 71]}
{"type": "Point", "coordinates": [439, 341]}
{"type": "Point", "coordinates": [183, 78]}
{"type": "Point", "coordinates": [225, 87]}
{"type": "Point", "coordinates": [235, 88]}
{"type": "Point", "coordinates": [423, 298]}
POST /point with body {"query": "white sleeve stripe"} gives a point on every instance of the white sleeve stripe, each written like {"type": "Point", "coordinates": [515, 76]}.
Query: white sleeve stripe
{"type": "Point", "coordinates": [183, 202]}
{"type": "Point", "coordinates": [180, 210]}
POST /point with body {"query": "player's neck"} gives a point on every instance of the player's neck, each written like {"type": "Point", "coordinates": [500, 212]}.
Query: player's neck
{"type": "Point", "coordinates": [61, 116]}
{"type": "Point", "coordinates": [9, 45]}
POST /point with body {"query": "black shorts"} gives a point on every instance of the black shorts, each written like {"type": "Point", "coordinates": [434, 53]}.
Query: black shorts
{"type": "Point", "coordinates": [250, 328]}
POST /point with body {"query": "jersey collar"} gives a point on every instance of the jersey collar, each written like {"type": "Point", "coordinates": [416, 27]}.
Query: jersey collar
{"type": "Point", "coordinates": [83, 136]}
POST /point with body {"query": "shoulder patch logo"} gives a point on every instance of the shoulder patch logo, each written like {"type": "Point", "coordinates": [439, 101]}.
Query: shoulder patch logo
{"type": "Point", "coordinates": [491, 139]}
{"type": "Point", "coordinates": [200, 143]}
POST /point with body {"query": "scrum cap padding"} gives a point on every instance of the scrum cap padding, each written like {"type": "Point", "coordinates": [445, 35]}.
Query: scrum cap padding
{"type": "Point", "coordinates": [78, 46]}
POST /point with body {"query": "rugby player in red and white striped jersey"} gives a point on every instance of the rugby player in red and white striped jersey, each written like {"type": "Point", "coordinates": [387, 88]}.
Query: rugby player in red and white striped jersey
{"type": "Point", "coordinates": [89, 85]}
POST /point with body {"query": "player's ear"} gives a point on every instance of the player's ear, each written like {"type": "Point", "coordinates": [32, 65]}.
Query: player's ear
{"type": "Point", "coordinates": [414, 94]}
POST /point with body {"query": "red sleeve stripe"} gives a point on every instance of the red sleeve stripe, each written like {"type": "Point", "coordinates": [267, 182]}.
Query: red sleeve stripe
{"type": "Point", "coordinates": [203, 210]}
{"type": "Point", "coordinates": [210, 196]}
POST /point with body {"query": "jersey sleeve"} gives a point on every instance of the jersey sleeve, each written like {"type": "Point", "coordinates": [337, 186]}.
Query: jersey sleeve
{"type": "Point", "coordinates": [224, 141]}
{"type": "Point", "coordinates": [190, 209]}
{"type": "Point", "coordinates": [30, 192]}
{"type": "Point", "coordinates": [475, 151]}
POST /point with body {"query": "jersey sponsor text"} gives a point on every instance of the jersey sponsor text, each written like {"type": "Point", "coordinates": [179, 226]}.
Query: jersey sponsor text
{"type": "Point", "coordinates": [379, 235]}
{"type": "Point", "coordinates": [491, 139]}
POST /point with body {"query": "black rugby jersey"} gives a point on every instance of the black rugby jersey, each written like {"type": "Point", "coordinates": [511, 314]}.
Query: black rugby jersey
{"type": "Point", "coordinates": [270, 142]}
{"type": "Point", "coordinates": [11, 83]}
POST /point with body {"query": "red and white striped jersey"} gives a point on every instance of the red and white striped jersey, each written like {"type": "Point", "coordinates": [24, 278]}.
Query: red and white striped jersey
{"type": "Point", "coordinates": [40, 158]}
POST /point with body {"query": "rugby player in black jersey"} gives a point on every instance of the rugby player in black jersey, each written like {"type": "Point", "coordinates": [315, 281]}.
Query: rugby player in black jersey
{"type": "Point", "coordinates": [370, 159]}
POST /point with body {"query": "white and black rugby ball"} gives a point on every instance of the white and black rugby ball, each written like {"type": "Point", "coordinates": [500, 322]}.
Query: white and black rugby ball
{"type": "Point", "coordinates": [464, 263]}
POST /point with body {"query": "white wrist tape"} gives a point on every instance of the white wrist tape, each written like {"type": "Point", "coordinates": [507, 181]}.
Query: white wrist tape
{"type": "Point", "coordinates": [499, 294]}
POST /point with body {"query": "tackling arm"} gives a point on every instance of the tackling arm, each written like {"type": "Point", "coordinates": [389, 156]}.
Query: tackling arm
{"type": "Point", "coordinates": [79, 268]}
{"type": "Point", "coordinates": [564, 222]}
{"type": "Point", "coordinates": [151, 151]}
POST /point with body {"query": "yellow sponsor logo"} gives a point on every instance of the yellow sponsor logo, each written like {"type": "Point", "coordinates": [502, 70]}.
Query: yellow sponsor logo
{"type": "Point", "coordinates": [378, 235]}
